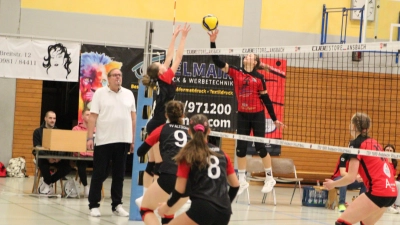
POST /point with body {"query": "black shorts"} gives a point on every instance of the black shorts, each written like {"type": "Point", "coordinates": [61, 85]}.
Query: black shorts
{"type": "Point", "coordinates": [203, 212]}
{"type": "Point", "coordinates": [381, 201]}
{"type": "Point", "coordinates": [166, 182]}
{"type": "Point", "coordinates": [153, 124]}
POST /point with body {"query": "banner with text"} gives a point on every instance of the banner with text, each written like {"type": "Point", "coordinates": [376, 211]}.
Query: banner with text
{"type": "Point", "coordinates": [204, 88]}
{"type": "Point", "coordinates": [39, 59]}
{"type": "Point", "coordinates": [97, 61]}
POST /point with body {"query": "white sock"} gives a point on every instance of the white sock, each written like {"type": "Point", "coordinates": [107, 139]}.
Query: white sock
{"type": "Point", "coordinates": [242, 175]}
{"type": "Point", "coordinates": [268, 173]}
{"type": "Point", "coordinates": [144, 190]}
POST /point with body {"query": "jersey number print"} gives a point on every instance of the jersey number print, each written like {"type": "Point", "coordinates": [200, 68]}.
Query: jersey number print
{"type": "Point", "coordinates": [213, 162]}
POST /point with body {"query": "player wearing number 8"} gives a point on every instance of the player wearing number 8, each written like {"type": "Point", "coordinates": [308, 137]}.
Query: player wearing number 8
{"type": "Point", "coordinates": [172, 137]}
{"type": "Point", "coordinates": [206, 171]}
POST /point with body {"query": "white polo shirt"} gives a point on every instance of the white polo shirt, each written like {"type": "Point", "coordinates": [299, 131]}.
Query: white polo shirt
{"type": "Point", "coordinates": [114, 121]}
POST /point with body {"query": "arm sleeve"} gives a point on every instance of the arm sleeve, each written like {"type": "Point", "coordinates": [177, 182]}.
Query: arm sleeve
{"type": "Point", "coordinates": [37, 140]}
{"type": "Point", "coordinates": [229, 166]}
{"type": "Point", "coordinates": [215, 58]}
{"type": "Point", "coordinates": [183, 170]}
{"type": "Point", "coordinates": [143, 149]}
{"type": "Point", "coordinates": [343, 160]}
{"type": "Point", "coordinates": [268, 104]}
{"type": "Point", "coordinates": [153, 138]}
{"type": "Point", "coordinates": [95, 103]}
{"type": "Point", "coordinates": [167, 76]}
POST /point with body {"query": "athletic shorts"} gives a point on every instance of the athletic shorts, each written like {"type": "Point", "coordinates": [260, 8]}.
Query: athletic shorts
{"type": "Point", "coordinates": [203, 212]}
{"type": "Point", "coordinates": [153, 124]}
{"type": "Point", "coordinates": [381, 201]}
{"type": "Point", "coordinates": [167, 182]}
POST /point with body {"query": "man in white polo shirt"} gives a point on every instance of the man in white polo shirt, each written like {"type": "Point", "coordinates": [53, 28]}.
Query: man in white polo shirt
{"type": "Point", "coordinates": [113, 113]}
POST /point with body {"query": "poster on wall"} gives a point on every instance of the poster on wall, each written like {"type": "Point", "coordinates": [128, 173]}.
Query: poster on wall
{"type": "Point", "coordinates": [275, 81]}
{"type": "Point", "coordinates": [97, 61]}
{"type": "Point", "coordinates": [39, 59]}
{"type": "Point", "coordinates": [204, 88]}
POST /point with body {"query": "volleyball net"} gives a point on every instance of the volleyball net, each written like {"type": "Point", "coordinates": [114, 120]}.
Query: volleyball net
{"type": "Point", "coordinates": [314, 89]}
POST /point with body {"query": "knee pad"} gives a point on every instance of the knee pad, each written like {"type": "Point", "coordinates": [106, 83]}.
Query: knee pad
{"type": "Point", "coordinates": [156, 169]}
{"type": "Point", "coordinates": [150, 168]}
{"type": "Point", "coordinates": [167, 219]}
{"type": "Point", "coordinates": [241, 153]}
{"type": "Point", "coordinates": [342, 222]}
{"type": "Point", "coordinates": [144, 211]}
{"type": "Point", "coordinates": [262, 152]}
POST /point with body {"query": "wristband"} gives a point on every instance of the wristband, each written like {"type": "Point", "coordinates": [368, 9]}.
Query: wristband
{"type": "Point", "coordinates": [89, 139]}
{"type": "Point", "coordinates": [175, 196]}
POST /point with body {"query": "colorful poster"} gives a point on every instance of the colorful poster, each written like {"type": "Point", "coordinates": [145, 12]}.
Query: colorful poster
{"type": "Point", "coordinates": [39, 59]}
{"type": "Point", "coordinates": [276, 79]}
{"type": "Point", "coordinates": [97, 61]}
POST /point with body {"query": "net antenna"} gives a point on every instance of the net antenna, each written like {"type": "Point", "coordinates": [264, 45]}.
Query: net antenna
{"type": "Point", "coordinates": [173, 21]}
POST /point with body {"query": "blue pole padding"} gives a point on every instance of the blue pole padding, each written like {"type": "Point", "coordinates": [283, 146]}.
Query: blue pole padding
{"type": "Point", "coordinates": [323, 23]}
{"type": "Point", "coordinates": [136, 190]}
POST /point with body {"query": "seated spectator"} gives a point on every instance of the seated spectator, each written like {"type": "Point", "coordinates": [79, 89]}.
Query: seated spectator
{"type": "Point", "coordinates": [395, 208]}
{"type": "Point", "coordinates": [82, 164]}
{"type": "Point", "coordinates": [63, 167]}
{"type": "Point", "coordinates": [340, 171]}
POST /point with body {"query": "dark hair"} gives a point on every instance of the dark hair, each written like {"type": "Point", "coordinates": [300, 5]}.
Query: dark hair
{"type": "Point", "coordinates": [57, 47]}
{"type": "Point", "coordinates": [150, 78]}
{"type": "Point", "coordinates": [84, 110]}
{"type": "Point", "coordinates": [112, 70]}
{"type": "Point", "coordinates": [394, 161]}
{"type": "Point", "coordinates": [362, 122]}
{"type": "Point", "coordinates": [47, 113]}
{"type": "Point", "coordinates": [196, 151]}
{"type": "Point", "coordinates": [174, 110]}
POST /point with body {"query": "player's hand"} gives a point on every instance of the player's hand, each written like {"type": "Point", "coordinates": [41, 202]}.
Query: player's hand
{"type": "Point", "coordinates": [328, 184]}
{"type": "Point", "coordinates": [359, 179]}
{"type": "Point", "coordinates": [185, 30]}
{"type": "Point", "coordinates": [132, 147]}
{"type": "Point", "coordinates": [162, 208]}
{"type": "Point", "coordinates": [279, 125]}
{"type": "Point", "coordinates": [213, 35]}
{"type": "Point", "coordinates": [89, 145]}
{"type": "Point", "coordinates": [177, 30]}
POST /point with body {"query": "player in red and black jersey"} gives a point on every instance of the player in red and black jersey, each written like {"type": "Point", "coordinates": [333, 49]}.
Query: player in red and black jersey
{"type": "Point", "coordinates": [252, 96]}
{"type": "Point", "coordinates": [161, 76]}
{"type": "Point", "coordinates": [395, 208]}
{"type": "Point", "coordinates": [374, 171]}
{"type": "Point", "coordinates": [341, 169]}
{"type": "Point", "coordinates": [205, 171]}
{"type": "Point", "coordinates": [172, 137]}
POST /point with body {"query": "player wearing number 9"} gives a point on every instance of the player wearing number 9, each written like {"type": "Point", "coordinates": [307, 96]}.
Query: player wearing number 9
{"type": "Point", "coordinates": [172, 137]}
{"type": "Point", "coordinates": [205, 171]}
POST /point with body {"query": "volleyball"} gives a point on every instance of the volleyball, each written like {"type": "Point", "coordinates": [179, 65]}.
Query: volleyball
{"type": "Point", "coordinates": [210, 22]}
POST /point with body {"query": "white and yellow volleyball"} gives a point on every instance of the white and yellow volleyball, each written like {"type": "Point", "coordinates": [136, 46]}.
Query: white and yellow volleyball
{"type": "Point", "coordinates": [210, 22]}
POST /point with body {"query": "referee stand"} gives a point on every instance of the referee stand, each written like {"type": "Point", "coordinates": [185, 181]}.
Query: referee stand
{"type": "Point", "coordinates": [142, 103]}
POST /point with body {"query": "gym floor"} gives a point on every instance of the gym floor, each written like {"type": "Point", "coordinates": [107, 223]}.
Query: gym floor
{"type": "Point", "coordinates": [18, 206]}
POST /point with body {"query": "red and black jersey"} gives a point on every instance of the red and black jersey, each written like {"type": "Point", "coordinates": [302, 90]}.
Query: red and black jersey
{"type": "Point", "coordinates": [343, 162]}
{"type": "Point", "coordinates": [165, 92]}
{"type": "Point", "coordinates": [172, 138]}
{"type": "Point", "coordinates": [210, 184]}
{"type": "Point", "coordinates": [247, 89]}
{"type": "Point", "coordinates": [374, 171]}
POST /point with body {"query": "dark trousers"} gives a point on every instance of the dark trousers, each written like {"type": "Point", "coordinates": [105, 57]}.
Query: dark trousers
{"type": "Point", "coordinates": [63, 169]}
{"type": "Point", "coordinates": [103, 154]}
{"type": "Point", "coordinates": [248, 121]}
{"type": "Point", "coordinates": [82, 165]}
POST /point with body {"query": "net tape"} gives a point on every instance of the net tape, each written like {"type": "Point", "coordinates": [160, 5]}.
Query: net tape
{"type": "Point", "coordinates": [305, 145]}
{"type": "Point", "coordinates": [376, 46]}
